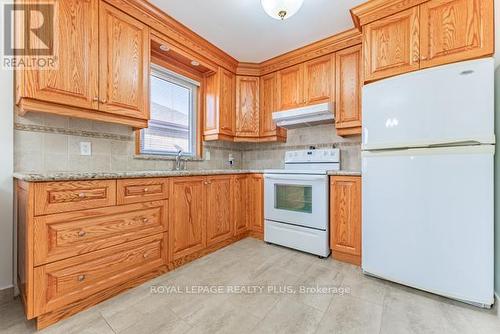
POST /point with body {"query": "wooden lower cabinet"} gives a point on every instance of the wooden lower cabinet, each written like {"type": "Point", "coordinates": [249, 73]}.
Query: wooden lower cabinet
{"type": "Point", "coordinates": [187, 216]}
{"type": "Point", "coordinates": [219, 210]}
{"type": "Point", "coordinates": [345, 218]}
{"type": "Point", "coordinates": [256, 203]}
{"type": "Point", "coordinates": [76, 251]}
{"type": "Point", "coordinates": [241, 203]}
{"type": "Point", "coordinates": [61, 283]}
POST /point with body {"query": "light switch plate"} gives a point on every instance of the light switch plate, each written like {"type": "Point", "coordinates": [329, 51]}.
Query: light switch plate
{"type": "Point", "coordinates": [207, 155]}
{"type": "Point", "coordinates": [85, 148]}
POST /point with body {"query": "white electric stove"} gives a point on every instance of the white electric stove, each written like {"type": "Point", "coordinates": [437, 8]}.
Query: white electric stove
{"type": "Point", "coordinates": [296, 201]}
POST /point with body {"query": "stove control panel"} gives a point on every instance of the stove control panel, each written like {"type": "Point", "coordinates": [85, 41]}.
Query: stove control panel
{"type": "Point", "coordinates": [313, 156]}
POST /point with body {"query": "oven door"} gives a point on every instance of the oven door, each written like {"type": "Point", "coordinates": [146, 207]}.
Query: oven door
{"type": "Point", "coordinates": [297, 199]}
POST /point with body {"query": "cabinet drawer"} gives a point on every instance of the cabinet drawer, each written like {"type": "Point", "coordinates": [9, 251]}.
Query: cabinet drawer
{"type": "Point", "coordinates": [64, 235]}
{"type": "Point", "coordinates": [56, 197]}
{"type": "Point", "coordinates": [141, 190]}
{"type": "Point", "coordinates": [64, 282]}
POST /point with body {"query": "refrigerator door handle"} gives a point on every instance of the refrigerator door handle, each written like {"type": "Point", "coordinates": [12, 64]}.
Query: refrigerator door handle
{"type": "Point", "coordinates": [457, 143]}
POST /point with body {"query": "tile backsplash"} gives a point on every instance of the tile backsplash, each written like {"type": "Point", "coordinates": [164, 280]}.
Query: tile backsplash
{"type": "Point", "coordinates": [51, 143]}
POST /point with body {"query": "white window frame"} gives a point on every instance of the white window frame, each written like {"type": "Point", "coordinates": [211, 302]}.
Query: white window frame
{"type": "Point", "coordinates": [193, 86]}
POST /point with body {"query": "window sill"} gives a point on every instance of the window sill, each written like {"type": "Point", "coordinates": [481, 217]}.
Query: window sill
{"type": "Point", "coordinates": [165, 157]}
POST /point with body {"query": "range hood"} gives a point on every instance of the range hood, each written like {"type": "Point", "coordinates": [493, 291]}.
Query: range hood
{"type": "Point", "coordinates": [304, 117]}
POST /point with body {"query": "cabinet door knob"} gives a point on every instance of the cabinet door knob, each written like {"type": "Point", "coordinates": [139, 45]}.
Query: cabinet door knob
{"type": "Point", "coordinates": [104, 101]}
{"type": "Point", "coordinates": [82, 195]}
{"type": "Point", "coordinates": [82, 233]}
{"type": "Point", "coordinates": [95, 99]}
{"type": "Point", "coordinates": [81, 278]}
{"type": "Point", "coordinates": [145, 220]}
{"type": "Point", "coordinates": [145, 255]}
{"type": "Point", "coordinates": [146, 190]}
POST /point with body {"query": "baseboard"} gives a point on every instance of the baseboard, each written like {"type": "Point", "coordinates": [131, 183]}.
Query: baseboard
{"type": "Point", "coordinates": [6, 295]}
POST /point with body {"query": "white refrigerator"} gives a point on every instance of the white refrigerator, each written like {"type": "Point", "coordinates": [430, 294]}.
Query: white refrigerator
{"type": "Point", "coordinates": [428, 180]}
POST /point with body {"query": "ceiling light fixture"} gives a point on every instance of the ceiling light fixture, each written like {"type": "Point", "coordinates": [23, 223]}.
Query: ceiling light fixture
{"type": "Point", "coordinates": [281, 9]}
{"type": "Point", "coordinates": [195, 63]}
{"type": "Point", "coordinates": [165, 48]}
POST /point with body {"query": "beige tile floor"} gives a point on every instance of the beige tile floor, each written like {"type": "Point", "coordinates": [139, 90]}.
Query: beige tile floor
{"type": "Point", "coordinates": [371, 306]}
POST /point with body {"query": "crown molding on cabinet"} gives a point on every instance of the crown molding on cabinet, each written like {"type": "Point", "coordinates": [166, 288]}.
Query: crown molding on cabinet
{"type": "Point", "coordinates": [184, 40]}
{"type": "Point", "coordinates": [320, 48]}
{"type": "Point", "coordinates": [178, 34]}
{"type": "Point", "coordinates": [314, 50]}
{"type": "Point", "coordinates": [374, 10]}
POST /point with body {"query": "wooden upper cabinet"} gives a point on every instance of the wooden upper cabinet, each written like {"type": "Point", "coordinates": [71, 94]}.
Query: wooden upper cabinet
{"type": "Point", "coordinates": [220, 104]}
{"type": "Point", "coordinates": [348, 64]}
{"type": "Point", "coordinates": [219, 212]}
{"type": "Point", "coordinates": [75, 80]}
{"type": "Point", "coordinates": [247, 106]}
{"type": "Point", "coordinates": [455, 30]}
{"type": "Point", "coordinates": [268, 97]}
{"type": "Point", "coordinates": [291, 88]}
{"type": "Point", "coordinates": [391, 45]}
{"type": "Point", "coordinates": [268, 105]}
{"type": "Point", "coordinates": [124, 64]}
{"type": "Point", "coordinates": [319, 76]}
{"type": "Point", "coordinates": [345, 218]}
{"type": "Point", "coordinates": [187, 231]}
{"type": "Point", "coordinates": [227, 102]}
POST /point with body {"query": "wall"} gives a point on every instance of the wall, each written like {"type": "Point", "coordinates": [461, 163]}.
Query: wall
{"type": "Point", "coordinates": [50, 143]}
{"type": "Point", "coordinates": [497, 156]}
{"type": "Point", "coordinates": [6, 165]}
{"type": "Point", "coordinates": [271, 155]}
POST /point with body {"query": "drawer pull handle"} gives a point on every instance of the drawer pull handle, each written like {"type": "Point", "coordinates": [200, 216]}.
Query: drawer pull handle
{"type": "Point", "coordinates": [145, 220]}
{"type": "Point", "coordinates": [146, 190]}
{"type": "Point", "coordinates": [82, 195]}
{"type": "Point", "coordinates": [82, 233]}
{"type": "Point", "coordinates": [81, 278]}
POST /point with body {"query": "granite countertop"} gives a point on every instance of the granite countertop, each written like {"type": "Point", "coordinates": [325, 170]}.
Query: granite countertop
{"type": "Point", "coordinates": [69, 176]}
{"type": "Point", "coordinates": [344, 173]}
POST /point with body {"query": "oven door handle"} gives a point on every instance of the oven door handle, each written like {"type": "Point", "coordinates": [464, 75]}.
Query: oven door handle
{"type": "Point", "coordinates": [297, 177]}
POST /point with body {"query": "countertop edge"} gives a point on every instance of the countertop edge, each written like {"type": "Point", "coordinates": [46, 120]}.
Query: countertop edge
{"type": "Point", "coordinates": [69, 176]}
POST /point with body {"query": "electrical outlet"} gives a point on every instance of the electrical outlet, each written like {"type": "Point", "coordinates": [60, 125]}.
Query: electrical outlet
{"type": "Point", "coordinates": [85, 148]}
{"type": "Point", "coordinates": [207, 155]}
{"type": "Point", "coordinates": [231, 159]}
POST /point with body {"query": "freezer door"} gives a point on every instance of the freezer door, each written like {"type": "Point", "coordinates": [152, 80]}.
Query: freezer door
{"type": "Point", "coordinates": [428, 220]}
{"type": "Point", "coordinates": [447, 104]}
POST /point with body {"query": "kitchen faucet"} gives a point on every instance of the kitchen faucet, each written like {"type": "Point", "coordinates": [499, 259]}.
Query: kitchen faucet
{"type": "Point", "coordinates": [178, 157]}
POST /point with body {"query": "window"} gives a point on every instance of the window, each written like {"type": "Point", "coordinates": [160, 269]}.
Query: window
{"type": "Point", "coordinates": [173, 115]}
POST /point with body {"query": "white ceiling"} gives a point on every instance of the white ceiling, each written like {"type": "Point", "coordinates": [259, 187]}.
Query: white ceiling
{"type": "Point", "coordinates": [246, 32]}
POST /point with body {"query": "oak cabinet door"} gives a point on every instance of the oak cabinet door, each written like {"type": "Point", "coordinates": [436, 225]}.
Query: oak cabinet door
{"type": "Point", "coordinates": [391, 45]}
{"type": "Point", "coordinates": [456, 30]}
{"type": "Point", "coordinates": [219, 209]}
{"type": "Point", "coordinates": [319, 77]}
{"type": "Point", "coordinates": [267, 104]}
{"type": "Point", "coordinates": [256, 202]}
{"type": "Point", "coordinates": [348, 88]}
{"type": "Point", "coordinates": [345, 215]}
{"type": "Point", "coordinates": [187, 231]}
{"type": "Point", "coordinates": [124, 64]}
{"type": "Point", "coordinates": [227, 102]}
{"type": "Point", "coordinates": [211, 103]}
{"type": "Point", "coordinates": [241, 205]}
{"type": "Point", "coordinates": [291, 88]}
{"type": "Point", "coordinates": [75, 80]}
{"type": "Point", "coordinates": [247, 106]}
